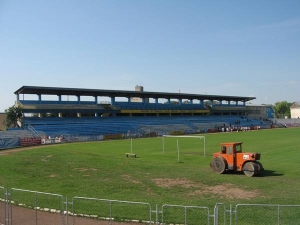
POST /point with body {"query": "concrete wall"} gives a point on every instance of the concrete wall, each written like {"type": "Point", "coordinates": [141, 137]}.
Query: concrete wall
{"type": "Point", "coordinates": [295, 113]}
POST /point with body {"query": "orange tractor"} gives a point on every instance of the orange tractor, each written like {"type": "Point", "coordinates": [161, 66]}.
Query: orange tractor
{"type": "Point", "coordinates": [231, 158]}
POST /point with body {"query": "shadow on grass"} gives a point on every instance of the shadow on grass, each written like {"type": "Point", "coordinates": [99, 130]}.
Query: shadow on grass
{"type": "Point", "coordinates": [266, 173]}
{"type": "Point", "coordinates": [270, 173]}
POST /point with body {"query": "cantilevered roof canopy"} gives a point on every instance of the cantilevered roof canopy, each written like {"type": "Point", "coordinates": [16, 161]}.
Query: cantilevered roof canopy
{"type": "Point", "coordinates": [121, 93]}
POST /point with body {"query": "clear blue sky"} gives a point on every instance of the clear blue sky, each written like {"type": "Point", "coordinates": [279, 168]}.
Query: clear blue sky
{"type": "Point", "coordinates": [238, 48]}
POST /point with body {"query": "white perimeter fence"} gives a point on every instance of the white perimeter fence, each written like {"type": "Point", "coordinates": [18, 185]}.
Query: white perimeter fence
{"type": "Point", "coordinates": [24, 207]}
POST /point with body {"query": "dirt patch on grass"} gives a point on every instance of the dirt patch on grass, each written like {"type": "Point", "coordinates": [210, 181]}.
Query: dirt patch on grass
{"type": "Point", "coordinates": [131, 179]}
{"type": "Point", "coordinates": [20, 149]}
{"type": "Point", "coordinates": [53, 175]}
{"type": "Point", "coordinates": [148, 190]}
{"type": "Point", "coordinates": [193, 153]}
{"type": "Point", "coordinates": [84, 169]}
{"type": "Point", "coordinates": [225, 191]}
{"type": "Point", "coordinates": [169, 183]}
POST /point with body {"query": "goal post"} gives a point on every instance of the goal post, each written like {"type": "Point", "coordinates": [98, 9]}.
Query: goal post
{"type": "Point", "coordinates": [184, 136]}
{"type": "Point", "coordinates": [130, 153]}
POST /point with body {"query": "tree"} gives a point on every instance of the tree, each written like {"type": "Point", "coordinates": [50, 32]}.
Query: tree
{"type": "Point", "coordinates": [45, 114]}
{"type": "Point", "coordinates": [282, 109]}
{"type": "Point", "coordinates": [172, 102]}
{"type": "Point", "coordinates": [207, 104]}
{"type": "Point", "coordinates": [13, 115]}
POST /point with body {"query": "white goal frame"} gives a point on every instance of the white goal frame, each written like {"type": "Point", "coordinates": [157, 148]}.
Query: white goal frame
{"type": "Point", "coordinates": [184, 136]}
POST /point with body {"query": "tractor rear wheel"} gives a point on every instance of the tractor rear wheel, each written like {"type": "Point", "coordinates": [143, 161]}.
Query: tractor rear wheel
{"type": "Point", "coordinates": [218, 165]}
{"type": "Point", "coordinates": [251, 169]}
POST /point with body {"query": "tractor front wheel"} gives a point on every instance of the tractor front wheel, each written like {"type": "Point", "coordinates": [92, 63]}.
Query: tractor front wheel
{"type": "Point", "coordinates": [251, 169]}
{"type": "Point", "coordinates": [261, 168]}
{"type": "Point", "coordinates": [218, 165]}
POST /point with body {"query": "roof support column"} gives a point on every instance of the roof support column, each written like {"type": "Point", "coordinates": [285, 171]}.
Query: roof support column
{"type": "Point", "coordinates": [202, 102]}
{"type": "Point", "coordinates": [40, 98]}
{"type": "Point", "coordinates": [180, 101]}
{"type": "Point", "coordinates": [156, 100]}
{"type": "Point", "coordinates": [169, 101]}
{"type": "Point", "coordinates": [236, 103]}
{"type": "Point", "coordinates": [244, 103]}
{"type": "Point", "coordinates": [78, 99]}
{"type": "Point", "coordinates": [59, 99]}
{"type": "Point", "coordinates": [112, 100]}
{"type": "Point", "coordinates": [128, 99]}
{"type": "Point", "coordinates": [212, 102]}
{"type": "Point", "coordinates": [191, 101]}
{"type": "Point", "coordinates": [96, 99]}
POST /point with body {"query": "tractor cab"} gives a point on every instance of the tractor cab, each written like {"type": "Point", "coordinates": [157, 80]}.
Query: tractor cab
{"type": "Point", "coordinates": [229, 147]}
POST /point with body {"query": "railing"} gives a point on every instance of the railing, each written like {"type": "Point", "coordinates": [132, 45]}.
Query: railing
{"type": "Point", "coordinates": [267, 214]}
{"type": "Point", "coordinates": [25, 207]}
{"type": "Point", "coordinates": [111, 210]}
{"type": "Point", "coordinates": [185, 214]}
{"type": "Point", "coordinates": [38, 202]}
{"type": "Point", "coordinates": [3, 206]}
{"type": "Point", "coordinates": [32, 130]}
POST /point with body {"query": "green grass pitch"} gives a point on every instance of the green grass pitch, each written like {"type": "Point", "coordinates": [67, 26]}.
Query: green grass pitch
{"type": "Point", "coordinates": [102, 170]}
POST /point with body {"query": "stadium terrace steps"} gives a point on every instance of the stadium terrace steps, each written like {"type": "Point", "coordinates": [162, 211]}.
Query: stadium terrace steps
{"type": "Point", "coordinates": [16, 133]}
{"type": "Point", "coordinates": [54, 126]}
{"type": "Point", "coordinates": [211, 125]}
{"type": "Point", "coordinates": [165, 128]}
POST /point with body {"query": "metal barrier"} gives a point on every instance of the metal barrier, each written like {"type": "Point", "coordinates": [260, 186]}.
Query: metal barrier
{"type": "Point", "coordinates": [32, 205]}
{"type": "Point", "coordinates": [3, 206]}
{"type": "Point", "coordinates": [25, 207]}
{"type": "Point", "coordinates": [32, 130]}
{"type": "Point", "coordinates": [179, 214]}
{"type": "Point", "coordinates": [220, 217]}
{"type": "Point", "coordinates": [111, 210]}
{"type": "Point", "coordinates": [267, 214]}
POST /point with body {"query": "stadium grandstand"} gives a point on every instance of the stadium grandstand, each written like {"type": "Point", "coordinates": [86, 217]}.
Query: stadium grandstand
{"type": "Point", "coordinates": [76, 114]}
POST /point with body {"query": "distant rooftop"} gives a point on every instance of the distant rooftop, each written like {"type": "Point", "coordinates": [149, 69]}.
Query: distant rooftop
{"type": "Point", "coordinates": [39, 90]}
{"type": "Point", "coordinates": [295, 105]}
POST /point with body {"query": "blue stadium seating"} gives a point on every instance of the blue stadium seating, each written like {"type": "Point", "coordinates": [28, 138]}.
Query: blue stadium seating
{"type": "Point", "coordinates": [16, 133]}
{"type": "Point", "coordinates": [85, 126]}
{"type": "Point", "coordinates": [158, 106]}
